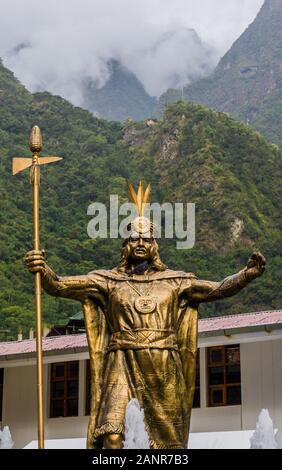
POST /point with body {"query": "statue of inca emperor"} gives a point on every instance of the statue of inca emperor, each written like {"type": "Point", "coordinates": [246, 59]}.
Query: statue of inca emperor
{"type": "Point", "coordinates": [141, 324]}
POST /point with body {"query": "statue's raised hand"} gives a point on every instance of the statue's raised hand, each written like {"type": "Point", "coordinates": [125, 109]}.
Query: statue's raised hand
{"type": "Point", "coordinates": [256, 265]}
{"type": "Point", "coordinates": [35, 260]}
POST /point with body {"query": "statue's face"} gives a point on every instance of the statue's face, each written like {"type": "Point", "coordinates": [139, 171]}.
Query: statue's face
{"type": "Point", "coordinates": [140, 248]}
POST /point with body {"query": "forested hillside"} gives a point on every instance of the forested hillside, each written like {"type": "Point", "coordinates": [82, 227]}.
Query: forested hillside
{"type": "Point", "coordinates": [191, 155]}
{"type": "Point", "coordinates": [247, 83]}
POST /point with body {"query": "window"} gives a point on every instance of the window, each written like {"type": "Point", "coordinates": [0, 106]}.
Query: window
{"type": "Point", "coordinates": [1, 391]}
{"type": "Point", "coordinates": [64, 389]}
{"type": "Point", "coordinates": [88, 389]}
{"type": "Point", "coordinates": [196, 402]}
{"type": "Point", "coordinates": [224, 375]}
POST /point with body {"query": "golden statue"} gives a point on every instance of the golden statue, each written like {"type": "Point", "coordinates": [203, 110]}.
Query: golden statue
{"type": "Point", "coordinates": [141, 324]}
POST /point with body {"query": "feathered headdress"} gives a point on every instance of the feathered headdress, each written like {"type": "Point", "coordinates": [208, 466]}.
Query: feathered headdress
{"type": "Point", "coordinates": [141, 225]}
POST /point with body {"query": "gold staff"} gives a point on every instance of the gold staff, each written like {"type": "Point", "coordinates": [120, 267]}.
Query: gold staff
{"type": "Point", "coordinates": [20, 164]}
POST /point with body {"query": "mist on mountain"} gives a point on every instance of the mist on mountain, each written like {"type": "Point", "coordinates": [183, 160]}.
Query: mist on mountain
{"type": "Point", "coordinates": [247, 83]}
{"type": "Point", "coordinates": [68, 47]}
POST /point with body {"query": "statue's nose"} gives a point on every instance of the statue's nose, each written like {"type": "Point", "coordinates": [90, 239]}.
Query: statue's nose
{"type": "Point", "coordinates": [141, 242]}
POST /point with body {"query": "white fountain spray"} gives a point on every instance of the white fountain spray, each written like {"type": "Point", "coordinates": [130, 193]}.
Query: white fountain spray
{"type": "Point", "coordinates": [136, 436]}
{"type": "Point", "coordinates": [6, 441]}
{"type": "Point", "coordinates": [265, 437]}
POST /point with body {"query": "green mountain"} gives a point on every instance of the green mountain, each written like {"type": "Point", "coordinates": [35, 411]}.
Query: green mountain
{"type": "Point", "coordinates": [247, 83]}
{"type": "Point", "coordinates": [122, 97]}
{"type": "Point", "coordinates": [191, 155]}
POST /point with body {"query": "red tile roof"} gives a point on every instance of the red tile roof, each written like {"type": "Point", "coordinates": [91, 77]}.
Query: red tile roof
{"type": "Point", "coordinates": [247, 320]}
{"type": "Point", "coordinates": [206, 326]}
{"type": "Point", "coordinates": [55, 343]}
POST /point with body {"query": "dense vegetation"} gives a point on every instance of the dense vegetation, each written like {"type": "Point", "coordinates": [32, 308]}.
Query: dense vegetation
{"type": "Point", "coordinates": [191, 155]}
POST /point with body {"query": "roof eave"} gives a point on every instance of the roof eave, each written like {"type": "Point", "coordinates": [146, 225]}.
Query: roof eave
{"type": "Point", "coordinates": [241, 330]}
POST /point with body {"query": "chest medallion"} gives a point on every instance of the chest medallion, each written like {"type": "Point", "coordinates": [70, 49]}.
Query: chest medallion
{"type": "Point", "coordinates": [145, 303]}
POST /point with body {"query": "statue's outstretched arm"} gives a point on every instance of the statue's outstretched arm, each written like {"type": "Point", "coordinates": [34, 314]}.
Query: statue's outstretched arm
{"type": "Point", "coordinates": [73, 287]}
{"type": "Point", "coordinates": [207, 291]}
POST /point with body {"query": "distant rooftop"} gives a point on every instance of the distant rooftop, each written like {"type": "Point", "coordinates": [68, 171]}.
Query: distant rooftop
{"type": "Point", "coordinates": [231, 324]}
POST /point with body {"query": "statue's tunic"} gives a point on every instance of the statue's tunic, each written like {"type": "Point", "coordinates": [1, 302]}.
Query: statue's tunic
{"type": "Point", "coordinates": [143, 362]}
{"type": "Point", "coordinates": [151, 355]}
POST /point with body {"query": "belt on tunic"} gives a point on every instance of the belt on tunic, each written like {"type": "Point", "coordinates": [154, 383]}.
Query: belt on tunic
{"type": "Point", "coordinates": [143, 339]}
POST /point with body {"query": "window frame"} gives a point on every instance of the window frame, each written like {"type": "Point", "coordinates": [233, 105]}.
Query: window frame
{"type": "Point", "coordinates": [225, 385]}
{"type": "Point", "coordinates": [65, 379]}
{"type": "Point", "coordinates": [87, 388]}
{"type": "Point", "coordinates": [197, 387]}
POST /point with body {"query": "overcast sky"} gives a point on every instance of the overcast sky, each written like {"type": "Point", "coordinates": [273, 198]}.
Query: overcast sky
{"type": "Point", "coordinates": [68, 40]}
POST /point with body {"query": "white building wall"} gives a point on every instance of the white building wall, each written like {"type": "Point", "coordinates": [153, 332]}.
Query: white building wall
{"type": "Point", "coordinates": [261, 376]}
{"type": "Point", "coordinates": [19, 403]}
{"type": "Point", "coordinates": [277, 387]}
{"type": "Point", "coordinates": [20, 411]}
{"type": "Point", "coordinates": [220, 418]}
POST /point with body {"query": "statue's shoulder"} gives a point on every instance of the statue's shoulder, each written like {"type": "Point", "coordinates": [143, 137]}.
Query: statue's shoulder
{"type": "Point", "coordinates": [171, 274]}
{"type": "Point", "coordinates": [107, 273]}
{"type": "Point", "coordinates": [116, 275]}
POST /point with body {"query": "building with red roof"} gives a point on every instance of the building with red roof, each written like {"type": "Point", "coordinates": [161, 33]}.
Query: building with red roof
{"type": "Point", "coordinates": [239, 372]}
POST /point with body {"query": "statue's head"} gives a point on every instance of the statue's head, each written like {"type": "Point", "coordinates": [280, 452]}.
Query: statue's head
{"type": "Point", "coordinates": [140, 247]}
{"type": "Point", "coordinates": [138, 250]}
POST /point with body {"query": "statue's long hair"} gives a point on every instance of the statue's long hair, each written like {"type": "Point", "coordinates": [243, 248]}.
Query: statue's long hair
{"type": "Point", "coordinates": [155, 260]}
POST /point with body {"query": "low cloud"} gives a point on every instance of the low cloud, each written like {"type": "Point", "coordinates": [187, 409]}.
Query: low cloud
{"type": "Point", "coordinates": [56, 45]}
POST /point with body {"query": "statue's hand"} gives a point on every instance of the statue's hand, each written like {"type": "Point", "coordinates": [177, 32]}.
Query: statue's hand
{"type": "Point", "coordinates": [35, 261]}
{"type": "Point", "coordinates": [256, 265]}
